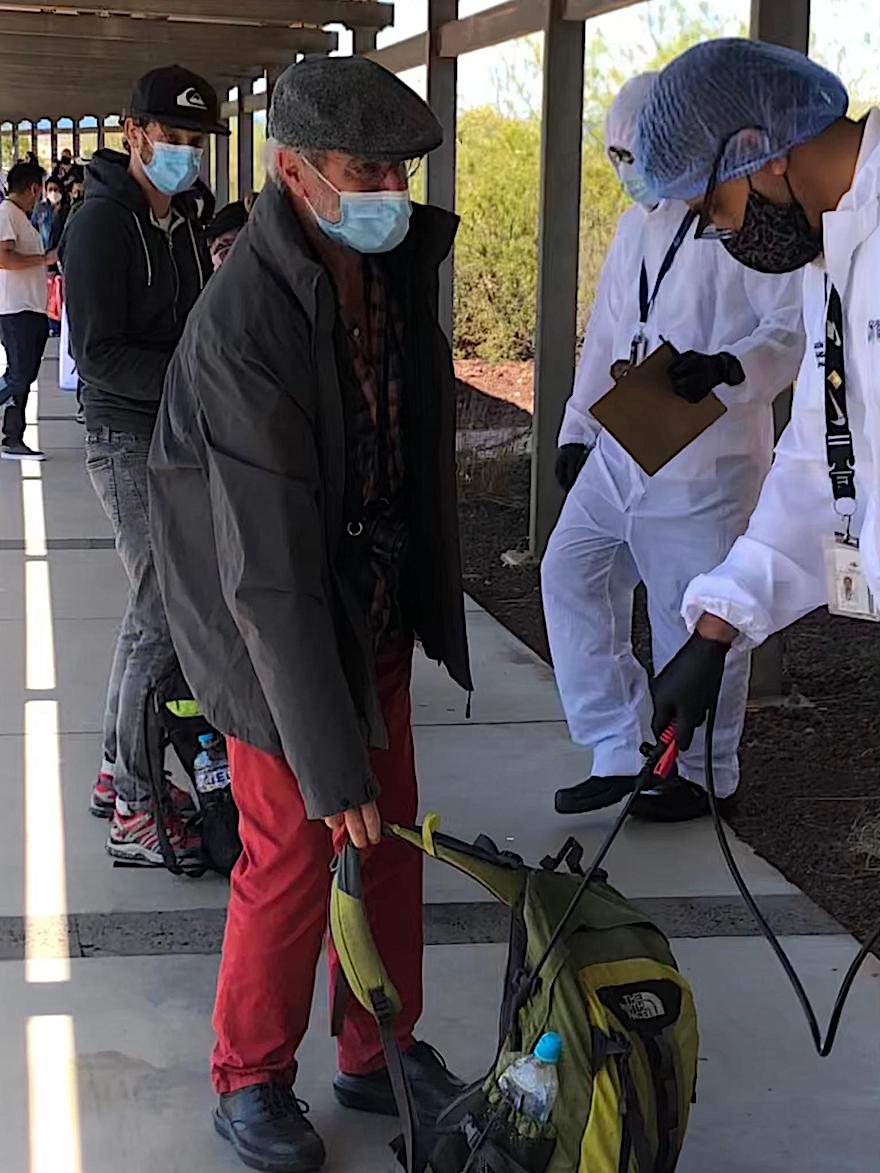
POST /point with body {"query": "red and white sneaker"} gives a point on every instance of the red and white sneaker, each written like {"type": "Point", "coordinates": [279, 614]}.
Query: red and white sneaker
{"type": "Point", "coordinates": [134, 839]}
{"type": "Point", "coordinates": [183, 802]}
{"type": "Point", "coordinates": [103, 800]}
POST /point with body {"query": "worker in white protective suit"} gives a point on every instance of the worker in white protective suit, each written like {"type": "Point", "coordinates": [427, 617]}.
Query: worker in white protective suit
{"type": "Point", "coordinates": [737, 333]}
{"type": "Point", "coordinates": [756, 138]}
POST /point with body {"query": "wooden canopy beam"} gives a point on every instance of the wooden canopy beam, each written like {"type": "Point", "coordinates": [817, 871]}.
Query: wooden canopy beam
{"type": "Point", "coordinates": [403, 55]}
{"type": "Point", "coordinates": [90, 71]}
{"type": "Point", "coordinates": [99, 38]}
{"type": "Point", "coordinates": [61, 103]}
{"type": "Point", "coordinates": [493, 26]}
{"type": "Point", "coordinates": [354, 13]}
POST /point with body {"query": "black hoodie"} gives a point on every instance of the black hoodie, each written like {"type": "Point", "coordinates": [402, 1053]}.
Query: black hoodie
{"type": "Point", "coordinates": [129, 287]}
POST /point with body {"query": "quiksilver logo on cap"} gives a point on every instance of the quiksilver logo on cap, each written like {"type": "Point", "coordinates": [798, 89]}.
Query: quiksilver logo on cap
{"type": "Point", "coordinates": [191, 99]}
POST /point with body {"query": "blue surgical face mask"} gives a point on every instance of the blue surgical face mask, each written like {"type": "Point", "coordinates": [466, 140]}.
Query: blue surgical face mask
{"type": "Point", "coordinates": [369, 221]}
{"type": "Point", "coordinates": [173, 169]}
{"type": "Point", "coordinates": [635, 185]}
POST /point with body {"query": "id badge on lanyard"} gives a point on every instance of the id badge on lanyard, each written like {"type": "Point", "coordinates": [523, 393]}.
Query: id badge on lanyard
{"type": "Point", "coordinates": [848, 590]}
{"type": "Point", "coordinates": [638, 348]}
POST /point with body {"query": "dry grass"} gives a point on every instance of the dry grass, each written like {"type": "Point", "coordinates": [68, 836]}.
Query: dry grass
{"type": "Point", "coordinates": [864, 841]}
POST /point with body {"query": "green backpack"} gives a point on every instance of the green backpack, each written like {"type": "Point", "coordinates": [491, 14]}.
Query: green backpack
{"type": "Point", "coordinates": [583, 962]}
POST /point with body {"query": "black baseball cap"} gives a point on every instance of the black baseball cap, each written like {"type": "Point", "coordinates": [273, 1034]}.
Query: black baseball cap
{"type": "Point", "coordinates": [229, 219]}
{"type": "Point", "coordinates": [177, 97]}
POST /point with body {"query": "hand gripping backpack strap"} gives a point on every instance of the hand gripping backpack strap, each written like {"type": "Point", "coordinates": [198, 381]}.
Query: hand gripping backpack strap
{"type": "Point", "coordinates": [370, 984]}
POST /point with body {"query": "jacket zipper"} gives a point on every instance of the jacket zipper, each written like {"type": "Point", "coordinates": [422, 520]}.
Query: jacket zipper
{"type": "Point", "coordinates": [168, 236]}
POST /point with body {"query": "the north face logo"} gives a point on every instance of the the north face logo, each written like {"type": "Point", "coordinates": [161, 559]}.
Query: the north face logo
{"type": "Point", "coordinates": [642, 1006]}
{"type": "Point", "coordinates": [191, 99]}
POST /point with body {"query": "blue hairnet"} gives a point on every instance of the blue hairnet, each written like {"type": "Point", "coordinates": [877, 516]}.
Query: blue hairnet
{"type": "Point", "coordinates": [622, 120]}
{"type": "Point", "coordinates": [755, 100]}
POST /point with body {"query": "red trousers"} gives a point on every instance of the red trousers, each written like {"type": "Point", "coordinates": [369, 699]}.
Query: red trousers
{"type": "Point", "coordinates": [278, 909]}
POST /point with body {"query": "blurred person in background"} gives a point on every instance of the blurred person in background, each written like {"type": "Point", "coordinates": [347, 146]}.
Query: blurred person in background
{"type": "Point", "coordinates": [78, 186]}
{"type": "Point", "coordinates": [223, 231]}
{"type": "Point", "coordinates": [50, 213]}
{"type": "Point", "coordinates": [24, 323]}
{"type": "Point", "coordinates": [737, 334]}
{"type": "Point", "coordinates": [134, 264]}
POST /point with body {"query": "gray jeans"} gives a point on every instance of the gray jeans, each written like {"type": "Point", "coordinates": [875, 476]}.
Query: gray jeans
{"type": "Point", "coordinates": [117, 466]}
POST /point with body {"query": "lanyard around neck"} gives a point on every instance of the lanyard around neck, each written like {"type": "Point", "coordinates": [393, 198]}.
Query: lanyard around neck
{"type": "Point", "coordinates": [646, 303]}
{"type": "Point", "coordinates": [838, 434]}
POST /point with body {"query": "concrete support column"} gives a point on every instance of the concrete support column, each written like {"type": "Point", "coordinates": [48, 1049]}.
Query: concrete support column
{"type": "Point", "coordinates": [77, 142]}
{"type": "Point", "coordinates": [245, 141]}
{"type": "Point", "coordinates": [558, 239]}
{"type": "Point", "coordinates": [14, 141]}
{"type": "Point", "coordinates": [365, 39]}
{"type": "Point", "coordinates": [440, 164]}
{"type": "Point", "coordinates": [272, 75]}
{"type": "Point", "coordinates": [100, 131]}
{"type": "Point", "coordinates": [222, 184]}
{"type": "Point", "coordinates": [53, 140]}
{"type": "Point", "coordinates": [782, 22]}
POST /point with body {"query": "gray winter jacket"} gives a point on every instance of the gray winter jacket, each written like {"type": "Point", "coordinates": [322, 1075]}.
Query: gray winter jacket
{"type": "Point", "coordinates": [247, 490]}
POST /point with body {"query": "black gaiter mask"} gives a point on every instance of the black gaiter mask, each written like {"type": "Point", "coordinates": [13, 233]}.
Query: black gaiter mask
{"type": "Point", "coordinates": [774, 238]}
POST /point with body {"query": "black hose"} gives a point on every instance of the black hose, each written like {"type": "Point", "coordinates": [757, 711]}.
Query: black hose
{"type": "Point", "coordinates": [823, 1046]}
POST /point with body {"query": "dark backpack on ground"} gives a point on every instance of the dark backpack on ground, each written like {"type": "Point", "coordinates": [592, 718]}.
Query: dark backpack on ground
{"type": "Point", "coordinates": [178, 721]}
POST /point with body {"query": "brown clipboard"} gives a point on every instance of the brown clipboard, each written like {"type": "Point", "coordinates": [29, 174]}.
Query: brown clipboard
{"type": "Point", "coordinates": [647, 418]}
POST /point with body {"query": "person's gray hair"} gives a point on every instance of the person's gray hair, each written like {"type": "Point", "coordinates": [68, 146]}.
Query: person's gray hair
{"type": "Point", "coordinates": [270, 159]}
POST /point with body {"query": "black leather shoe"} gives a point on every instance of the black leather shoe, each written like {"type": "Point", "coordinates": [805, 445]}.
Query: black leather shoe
{"type": "Point", "coordinates": [594, 794]}
{"type": "Point", "coordinates": [674, 800]}
{"type": "Point", "coordinates": [433, 1085]}
{"type": "Point", "coordinates": [267, 1127]}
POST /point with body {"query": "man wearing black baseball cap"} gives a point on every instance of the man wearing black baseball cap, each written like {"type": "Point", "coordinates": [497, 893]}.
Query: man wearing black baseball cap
{"type": "Point", "coordinates": [134, 263]}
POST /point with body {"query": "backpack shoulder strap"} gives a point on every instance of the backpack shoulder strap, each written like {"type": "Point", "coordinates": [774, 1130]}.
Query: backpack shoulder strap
{"type": "Point", "coordinates": [502, 874]}
{"type": "Point", "coordinates": [369, 982]}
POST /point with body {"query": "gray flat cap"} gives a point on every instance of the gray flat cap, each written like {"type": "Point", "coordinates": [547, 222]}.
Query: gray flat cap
{"type": "Point", "coordinates": [352, 105]}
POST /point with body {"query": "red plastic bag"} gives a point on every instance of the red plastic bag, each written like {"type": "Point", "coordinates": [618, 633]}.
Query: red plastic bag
{"type": "Point", "coordinates": [56, 297]}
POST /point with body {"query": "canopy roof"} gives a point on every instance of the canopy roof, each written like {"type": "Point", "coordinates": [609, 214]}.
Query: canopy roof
{"type": "Point", "coordinates": [71, 61]}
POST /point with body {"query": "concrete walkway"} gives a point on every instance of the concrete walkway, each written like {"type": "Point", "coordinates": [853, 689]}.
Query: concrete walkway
{"type": "Point", "coordinates": [106, 976]}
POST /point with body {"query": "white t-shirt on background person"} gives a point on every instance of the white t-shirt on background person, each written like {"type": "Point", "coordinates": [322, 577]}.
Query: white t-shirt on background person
{"type": "Point", "coordinates": [21, 289]}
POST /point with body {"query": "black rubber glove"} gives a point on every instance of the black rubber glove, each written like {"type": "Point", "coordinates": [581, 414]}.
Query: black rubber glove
{"type": "Point", "coordinates": [694, 375]}
{"type": "Point", "coordinates": [570, 459]}
{"type": "Point", "coordinates": [688, 686]}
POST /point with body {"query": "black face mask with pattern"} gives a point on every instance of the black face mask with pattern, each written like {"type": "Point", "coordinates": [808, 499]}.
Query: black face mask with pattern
{"type": "Point", "coordinates": [774, 238]}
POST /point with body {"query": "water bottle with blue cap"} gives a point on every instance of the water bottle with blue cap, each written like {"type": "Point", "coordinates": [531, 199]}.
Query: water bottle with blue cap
{"type": "Point", "coordinates": [211, 767]}
{"type": "Point", "coordinates": [531, 1083]}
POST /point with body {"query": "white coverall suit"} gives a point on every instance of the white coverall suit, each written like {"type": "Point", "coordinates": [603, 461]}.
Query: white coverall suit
{"type": "Point", "coordinates": [775, 572]}
{"type": "Point", "coordinates": [619, 526]}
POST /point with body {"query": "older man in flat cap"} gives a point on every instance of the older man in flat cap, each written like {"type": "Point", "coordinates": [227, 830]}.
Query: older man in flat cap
{"type": "Point", "coordinates": [304, 505]}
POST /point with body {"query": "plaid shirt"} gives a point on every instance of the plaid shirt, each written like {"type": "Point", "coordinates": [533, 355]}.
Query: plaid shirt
{"type": "Point", "coordinates": [372, 399]}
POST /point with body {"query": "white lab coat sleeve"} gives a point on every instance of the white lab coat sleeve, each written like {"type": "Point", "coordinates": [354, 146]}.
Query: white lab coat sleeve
{"type": "Point", "coordinates": [775, 573]}
{"type": "Point", "coordinates": [771, 355]}
{"type": "Point", "coordinates": [593, 379]}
